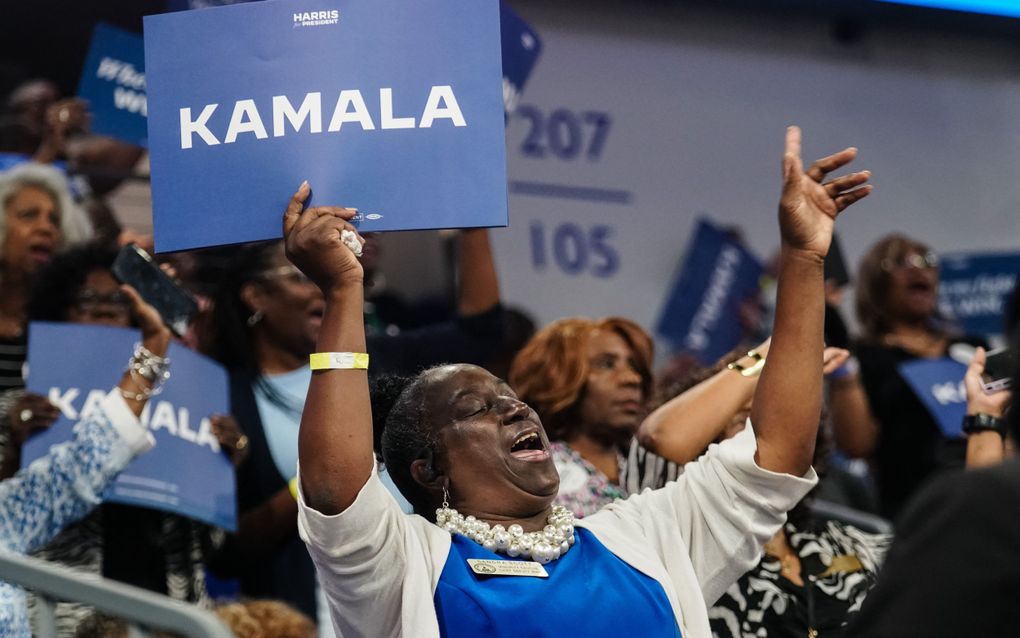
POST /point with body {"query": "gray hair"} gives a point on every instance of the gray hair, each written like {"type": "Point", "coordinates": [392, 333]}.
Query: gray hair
{"type": "Point", "coordinates": [74, 223]}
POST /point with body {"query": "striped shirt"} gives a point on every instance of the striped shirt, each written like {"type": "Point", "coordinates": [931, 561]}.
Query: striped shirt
{"type": "Point", "coordinates": [13, 352]}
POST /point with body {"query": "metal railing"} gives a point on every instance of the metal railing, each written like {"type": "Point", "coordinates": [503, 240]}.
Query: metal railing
{"type": "Point", "coordinates": [55, 583]}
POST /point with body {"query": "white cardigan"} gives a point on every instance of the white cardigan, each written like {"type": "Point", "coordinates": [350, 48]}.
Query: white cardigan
{"type": "Point", "coordinates": [379, 567]}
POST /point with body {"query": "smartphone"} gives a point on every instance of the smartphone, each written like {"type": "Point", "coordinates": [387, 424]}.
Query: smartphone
{"type": "Point", "coordinates": [999, 368]}
{"type": "Point", "coordinates": [175, 305]}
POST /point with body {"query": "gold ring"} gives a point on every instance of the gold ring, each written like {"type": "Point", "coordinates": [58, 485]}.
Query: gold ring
{"type": "Point", "coordinates": [241, 443]}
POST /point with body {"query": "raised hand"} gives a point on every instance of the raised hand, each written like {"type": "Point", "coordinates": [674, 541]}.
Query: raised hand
{"type": "Point", "coordinates": [155, 335]}
{"type": "Point", "coordinates": [232, 440]}
{"type": "Point", "coordinates": [314, 242]}
{"type": "Point", "coordinates": [978, 400]}
{"type": "Point", "coordinates": [809, 205]}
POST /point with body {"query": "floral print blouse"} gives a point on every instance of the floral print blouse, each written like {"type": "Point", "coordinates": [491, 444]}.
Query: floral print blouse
{"type": "Point", "coordinates": [583, 489]}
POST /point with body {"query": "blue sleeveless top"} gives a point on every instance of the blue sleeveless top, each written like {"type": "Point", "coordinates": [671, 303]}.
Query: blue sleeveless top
{"type": "Point", "coordinates": [589, 592]}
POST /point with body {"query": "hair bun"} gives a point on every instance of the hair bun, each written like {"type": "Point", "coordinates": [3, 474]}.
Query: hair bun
{"type": "Point", "coordinates": [384, 392]}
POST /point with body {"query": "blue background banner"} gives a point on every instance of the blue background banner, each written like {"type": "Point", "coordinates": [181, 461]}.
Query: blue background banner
{"type": "Point", "coordinates": [380, 61]}
{"type": "Point", "coordinates": [938, 383]}
{"type": "Point", "coordinates": [185, 473]}
{"type": "Point", "coordinates": [975, 289]}
{"type": "Point", "coordinates": [113, 81]}
{"type": "Point", "coordinates": [702, 314]}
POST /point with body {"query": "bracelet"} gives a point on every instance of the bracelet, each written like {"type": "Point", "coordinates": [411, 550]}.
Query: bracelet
{"type": "Point", "coordinates": [752, 370]}
{"type": "Point", "coordinates": [292, 485]}
{"type": "Point", "coordinates": [143, 368]}
{"type": "Point", "coordinates": [151, 367]}
{"type": "Point", "coordinates": [143, 393]}
{"type": "Point", "coordinates": [338, 361]}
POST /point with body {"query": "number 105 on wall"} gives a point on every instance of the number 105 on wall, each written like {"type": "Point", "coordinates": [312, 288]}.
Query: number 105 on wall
{"type": "Point", "coordinates": [574, 249]}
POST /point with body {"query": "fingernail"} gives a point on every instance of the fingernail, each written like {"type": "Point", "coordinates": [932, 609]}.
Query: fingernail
{"type": "Point", "coordinates": [303, 186]}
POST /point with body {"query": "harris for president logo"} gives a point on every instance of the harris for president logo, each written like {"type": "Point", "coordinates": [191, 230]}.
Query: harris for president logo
{"type": "Point", "coordinates": [317, 18]}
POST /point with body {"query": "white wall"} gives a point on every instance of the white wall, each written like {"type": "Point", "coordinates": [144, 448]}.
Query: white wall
{"type": "Point", "coordinates": [699, 100]}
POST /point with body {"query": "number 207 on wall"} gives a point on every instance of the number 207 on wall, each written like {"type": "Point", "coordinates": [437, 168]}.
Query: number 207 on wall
{"type": "Point", "coordinates": [563, 133]}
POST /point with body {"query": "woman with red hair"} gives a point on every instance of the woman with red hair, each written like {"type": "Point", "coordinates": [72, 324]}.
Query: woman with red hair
{"type": "Point", "coordinates": [589, 382]}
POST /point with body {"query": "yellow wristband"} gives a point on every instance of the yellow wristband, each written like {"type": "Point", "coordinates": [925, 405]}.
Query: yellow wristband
{"type": "Point", "coordinates": [338, 361]}
{"type": "Point", "coordinates": [293, 486]}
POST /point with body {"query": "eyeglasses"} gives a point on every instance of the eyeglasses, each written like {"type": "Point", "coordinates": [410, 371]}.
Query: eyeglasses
{"type": "Point", "coordinates": [291, 274]}
{"type": "Point", "coordinates": [93, 303]}
{"type": "Point", "coordinates": [926, 261]}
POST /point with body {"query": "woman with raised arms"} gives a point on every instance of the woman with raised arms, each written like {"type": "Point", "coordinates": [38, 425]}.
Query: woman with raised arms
{"type": "Point", "coordinates": [486, 553]}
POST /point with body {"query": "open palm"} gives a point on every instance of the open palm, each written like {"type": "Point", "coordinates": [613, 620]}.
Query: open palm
{"type": "Point", "coordinates": [809, 205]}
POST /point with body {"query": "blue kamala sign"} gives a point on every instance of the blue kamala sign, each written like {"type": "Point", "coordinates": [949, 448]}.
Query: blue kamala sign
{"type": "Point", "coordinates": [113, 81]}
{"type": "Point", "coordinates": [938, 383]}
{"type": "Point", "coordinates": [702, 314]}
{"type": "Point", "coordinates": [391, 107]}
{"type": "Point", "coordinates": [186, 473]}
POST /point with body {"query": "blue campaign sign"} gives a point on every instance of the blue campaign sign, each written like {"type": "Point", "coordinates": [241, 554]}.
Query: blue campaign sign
{"type": "Point", "coordinates": [702, 314]}
{"type": "Point", "coordinates": [113, 82]}
{"type": "Point", "coordinates": [521, 48]}
{"type": "Point", "coordinates": [938, 383]}
{"type": "Point", "coordinates": [391, 107]}
{"type": "Point", "coordinates": [975, 289]}
{"type": "Point", "coordinates": [186, 473]}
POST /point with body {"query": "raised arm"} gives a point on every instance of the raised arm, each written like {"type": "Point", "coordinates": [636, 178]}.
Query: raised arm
{"type": "Point", "coordinates": [479, 286]}
{"type": "Point", "coordinates": [787, 402]}
{"type": "Point", "coordinates": [680, 429]}
{"type": "Point", "coordinates": [335, 439]}
{"type": "Point", "coordinates": [61, 487]}
{"type": "Point", "coordinates": [684, 426]}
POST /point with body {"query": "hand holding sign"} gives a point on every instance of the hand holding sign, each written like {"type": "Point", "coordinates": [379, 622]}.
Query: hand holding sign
{"type": "Point", "coordinates": [64, 118]}
{"type": "Point", "coordinates": [30, 414]}
{"type": "Point", "coordinates": [809, 205]}
{"type": "Point", "coordinates": [315, 244]}
{"type": "Point", "coordinates": [979, 401]}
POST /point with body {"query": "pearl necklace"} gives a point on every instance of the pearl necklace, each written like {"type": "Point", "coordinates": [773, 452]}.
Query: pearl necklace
{"type": "Point", "coordinates": [541, 547]}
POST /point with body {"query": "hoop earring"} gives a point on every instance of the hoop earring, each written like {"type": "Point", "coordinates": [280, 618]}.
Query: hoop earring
{"type": "Point", "coordinates": [254, 318]}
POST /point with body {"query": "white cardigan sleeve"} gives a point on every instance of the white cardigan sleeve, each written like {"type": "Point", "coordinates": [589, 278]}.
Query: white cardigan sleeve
{"type": "Point", "coordinates": [374, 563]}
{"type": "Point", "coordinates": [719, 513]}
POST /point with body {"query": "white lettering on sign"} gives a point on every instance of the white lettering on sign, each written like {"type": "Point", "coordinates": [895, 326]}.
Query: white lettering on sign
{"type": "Point", "coordinates": [712, 306]}
{"type": "Point", "coordinates": [161, 416]}
{"type": "Point", "coordinates": [949, 392]}
{"type": "Point", "coordinates": [350, 107]}
{"type": "Point", "coordinates": [123, 73]}
{"type": "Point", "coordinates": [190, 127]}
{"type": "Point", "coordinates": [128, 100]}
{"type": "Point", "coordinates": [311, 109]}
{"type": "Point", "coordinates": [316, 18]}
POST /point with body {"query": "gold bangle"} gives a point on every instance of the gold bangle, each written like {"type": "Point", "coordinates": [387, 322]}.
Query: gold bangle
{"type": "Point", "coordinates": [292, 485]}
{"type": "Point", "coordinates": [752, 370]}
{"type": "Point", "coordinates": [338, 361]}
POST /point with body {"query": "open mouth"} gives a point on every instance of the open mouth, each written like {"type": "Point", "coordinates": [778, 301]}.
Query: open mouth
{"type": "Point", "coordinates": [529, 447]}
{"type": "Point", "coordinates": [40, 252]}
{"type": "Point", "coordinates": [920, 287]}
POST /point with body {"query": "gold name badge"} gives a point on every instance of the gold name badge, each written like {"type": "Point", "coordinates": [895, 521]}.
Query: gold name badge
{"type": "Point", "coordinates": [484, 567]}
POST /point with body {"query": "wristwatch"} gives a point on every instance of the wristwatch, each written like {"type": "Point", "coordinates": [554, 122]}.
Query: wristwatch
{"type": "Point", "coordinates": [981, 422]}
